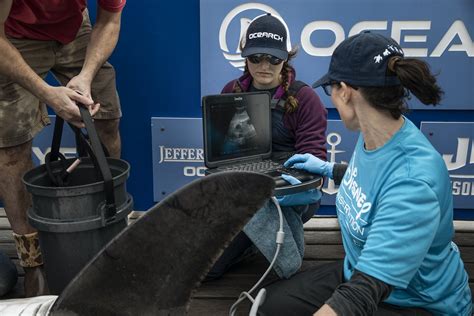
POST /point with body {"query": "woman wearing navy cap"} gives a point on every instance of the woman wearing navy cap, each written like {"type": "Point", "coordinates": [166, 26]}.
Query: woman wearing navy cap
{"type": "Point", "coordinates": [299, 122]}
{"type": "Point", "coordinates": [394, 204]}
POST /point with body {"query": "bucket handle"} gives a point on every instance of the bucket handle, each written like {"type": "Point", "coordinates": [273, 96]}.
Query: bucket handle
{"type": "Point", "coordinates": [95, 150]}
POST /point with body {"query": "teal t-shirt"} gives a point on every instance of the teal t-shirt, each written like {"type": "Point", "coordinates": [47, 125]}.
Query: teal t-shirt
{"type": "Point", "coordinates": [395, 209]}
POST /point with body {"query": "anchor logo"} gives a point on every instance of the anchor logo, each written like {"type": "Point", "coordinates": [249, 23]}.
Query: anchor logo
{"type": "Point", "coordinates": [333, 139]}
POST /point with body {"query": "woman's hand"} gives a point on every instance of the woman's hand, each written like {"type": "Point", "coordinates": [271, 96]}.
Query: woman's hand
{"type": "Point", "coordinates": [311, 164]}
{"type": "Point", "coordinates": [301, 198]}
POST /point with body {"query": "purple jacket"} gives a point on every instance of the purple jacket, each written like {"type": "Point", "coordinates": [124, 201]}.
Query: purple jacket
{"type": "Point", "coordinates": [307, 125]}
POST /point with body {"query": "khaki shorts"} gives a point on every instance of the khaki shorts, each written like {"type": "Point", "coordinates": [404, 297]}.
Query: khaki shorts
{"type": "Point", "coordinates": [22, 115]}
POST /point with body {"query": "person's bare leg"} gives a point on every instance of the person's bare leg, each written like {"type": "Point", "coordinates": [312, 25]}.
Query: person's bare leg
{"type": "Point", "coordinates": [14, 162]}
{"type": "Point", "coordinates": [109, 134]}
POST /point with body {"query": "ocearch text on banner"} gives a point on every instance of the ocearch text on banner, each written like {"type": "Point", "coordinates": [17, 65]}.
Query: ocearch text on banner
{"type": "Point", "coordinates": [457, 32]}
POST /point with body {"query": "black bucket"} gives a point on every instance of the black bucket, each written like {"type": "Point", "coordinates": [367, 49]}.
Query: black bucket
{"type": "Point", "coordinates": [78, 218]}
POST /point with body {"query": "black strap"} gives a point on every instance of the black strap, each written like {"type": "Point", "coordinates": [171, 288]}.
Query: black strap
{"type": "Point", "coordinates": [57, 179]}
{"type": "Point", "coordinates": [58, 131]}
{"type": "Point", "coordinates": [293, 90]}
{"type": "Point", "coordinates": [91, 145]}
{"type": "Point", "coordinates": [98, 152]}
{"type": "Point", "coordinates": [54, 155]}
{"type": "Point", "coordinates": [295, 87]}
{"type": "Point", "coordinates": [83, 148]}
{"type": "Point", "coordinates": [83, 145]}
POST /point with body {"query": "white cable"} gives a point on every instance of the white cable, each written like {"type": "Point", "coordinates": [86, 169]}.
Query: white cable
{"type": "Point", "coordinates": [246, 294]}
{"type": "Point", "coordinates": [259, 299]}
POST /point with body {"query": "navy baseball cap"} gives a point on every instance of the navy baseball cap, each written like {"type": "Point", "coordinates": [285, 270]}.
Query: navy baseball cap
{"type": "Point", "coordinates": [267, 34]}
{"type": "Point", "coordinates": [362, 60]}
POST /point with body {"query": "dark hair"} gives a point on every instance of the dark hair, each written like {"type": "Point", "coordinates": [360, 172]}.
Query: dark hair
{"type": "Point", "coordinates": [291, 103]}
{"type": "Point", "coordinates": [415, 76]}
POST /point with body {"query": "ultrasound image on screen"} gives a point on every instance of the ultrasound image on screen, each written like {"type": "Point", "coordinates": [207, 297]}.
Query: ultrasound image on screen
{"type": "Point", "coordinates": [238, 129]}
{"type": "Point", "coordinates": [241, 133]}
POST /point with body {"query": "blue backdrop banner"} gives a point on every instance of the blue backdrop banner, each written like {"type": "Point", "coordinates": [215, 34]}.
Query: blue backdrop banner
{"type": "Point", "coordinates": [440, 32]}
{"type": "Point", "coordinates": [455, 141]}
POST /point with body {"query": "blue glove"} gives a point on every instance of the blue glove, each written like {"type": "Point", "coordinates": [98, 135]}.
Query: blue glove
{"type": "Point", "coordinates": [311, 164]}
{"type": "Point", "coordinates": [301, 198]}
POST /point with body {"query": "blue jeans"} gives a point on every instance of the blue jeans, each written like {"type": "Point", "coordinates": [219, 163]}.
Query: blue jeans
{"type": "Point", "coordinates": [241, 247]}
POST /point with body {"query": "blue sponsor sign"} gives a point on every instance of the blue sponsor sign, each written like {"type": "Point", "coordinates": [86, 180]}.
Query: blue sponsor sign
{"type": "Point", "coordinates": [440, 33]}
{"type": "Point", "coordinates": [455, 142]}
{"type": "Point", "coordinates": [177, 153]}
{"type": "Point", "coordinates": [42, 142]}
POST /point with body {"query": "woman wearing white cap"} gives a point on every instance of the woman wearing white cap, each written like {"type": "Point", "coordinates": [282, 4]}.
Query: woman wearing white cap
{"type": "Point", "coordinates": [299, 122]}
{"type": "Point", "coordinates": [394, 204]}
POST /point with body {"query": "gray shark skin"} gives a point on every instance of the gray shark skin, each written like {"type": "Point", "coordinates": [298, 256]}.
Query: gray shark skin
{"type": "Point", "coordinates": [154, 265]}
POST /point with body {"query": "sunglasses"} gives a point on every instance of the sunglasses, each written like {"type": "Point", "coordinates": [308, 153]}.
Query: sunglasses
{"type": "Point", "coordinates": [328, 87]}
{"type": "Point", "coordinates": [258, 58]}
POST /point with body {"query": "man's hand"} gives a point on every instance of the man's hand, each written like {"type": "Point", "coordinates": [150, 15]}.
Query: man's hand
{"type": "Point", "coordinates": [81, 84]}
{"type": "Point", "coordinates": [311, 164]}
{"type": "Point", "coordinates": [63, 101]}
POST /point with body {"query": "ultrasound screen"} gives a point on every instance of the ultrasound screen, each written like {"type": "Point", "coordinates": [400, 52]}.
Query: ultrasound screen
{"type": "Point", "coordinates": [237, 126]}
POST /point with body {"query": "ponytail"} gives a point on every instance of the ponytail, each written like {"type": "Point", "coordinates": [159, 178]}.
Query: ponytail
{"type": "Point", "coordinates": [291, 103]}
{"type": "Point", "coordinates": [414, 76]}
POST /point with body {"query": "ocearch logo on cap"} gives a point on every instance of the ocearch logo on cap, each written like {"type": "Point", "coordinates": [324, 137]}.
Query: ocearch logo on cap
{"type": "Point", "coordinates": [267, 35]}
{"type": "Point", "coordinates": [235, 59]}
